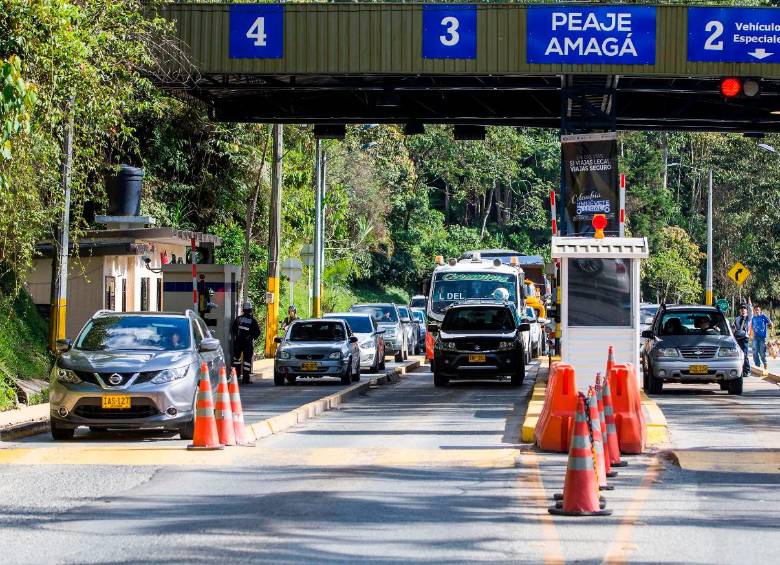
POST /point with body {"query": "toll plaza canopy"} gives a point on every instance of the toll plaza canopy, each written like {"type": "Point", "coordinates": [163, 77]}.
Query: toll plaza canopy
{"type": "Point", "coordinates": [663, 66]}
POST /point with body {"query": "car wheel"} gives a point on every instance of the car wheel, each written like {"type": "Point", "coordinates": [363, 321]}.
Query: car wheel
{"type": "Point", "coordinates": [404, 354]}
{"type": "Point", "coordinates": [60, 432]}
{"type": "Point", "coordinates": [735, 386]}
{"type": "Point", "coordinates": [518, 376]}
{"type": "Point", "coordinates": [724, 385]}
{"type": "Point", "coordinates": [399, 356]}
{"type": "Point", "coordinates": [381, 365]}
{"type": "Point", "coordinates": [439, 379]}
{"type": "Point", "coordinates": [291, 379]}
{"type": "Point", "coordinates": [356, 373]}
{"type": "Point", "coordinates": [278, 379]}
{"type": "Point", "coordinates": [346, 378]}
{"type": "Point", "coordinates": [656, 385]}
{"type": "Point", "coordinates": [187, 431]}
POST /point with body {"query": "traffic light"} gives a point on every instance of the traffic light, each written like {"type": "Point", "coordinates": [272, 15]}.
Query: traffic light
{"type": "Point", "coordinates": [732, 87]}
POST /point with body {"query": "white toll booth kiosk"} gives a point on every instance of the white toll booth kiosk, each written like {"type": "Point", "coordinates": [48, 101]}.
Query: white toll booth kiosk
{"type": "Point", "coordinates": [599, 301]}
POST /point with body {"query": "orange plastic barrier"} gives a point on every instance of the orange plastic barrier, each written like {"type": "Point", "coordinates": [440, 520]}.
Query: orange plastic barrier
{"type": "Point", "coordinates": [627, 403]}
{"type": "Point", "coordinates": [429, 346]}
{"type": "Point", "coordinates": [556, 422]}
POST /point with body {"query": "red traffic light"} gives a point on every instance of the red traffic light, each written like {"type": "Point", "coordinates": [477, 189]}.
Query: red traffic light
{"type": "Point", "coordinates": [599, 221]}
{"type": "Point", "coordinates": [730, 87]}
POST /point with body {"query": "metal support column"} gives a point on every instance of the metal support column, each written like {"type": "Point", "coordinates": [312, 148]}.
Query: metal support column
{"type": "Point", "coordinates": [275, 228]}
{"type": "Point", "coordinates": [316, 306]}
{"type": "Point", "coordinates": [708, 290]}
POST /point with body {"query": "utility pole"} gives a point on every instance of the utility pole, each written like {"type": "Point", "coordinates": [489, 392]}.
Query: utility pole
{"type": "Point", "coordinates": [708, 290]}
{"type": "Point", "coordinates": [316, 306]}
{"type": "Point", "coordinates": [272, 296]}
{"type": "Point", "coordinates": [60, 256]}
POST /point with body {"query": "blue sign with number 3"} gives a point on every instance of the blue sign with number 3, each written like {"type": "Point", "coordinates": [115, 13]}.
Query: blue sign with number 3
{"type": "Point", "coordinates": [449, 31]}
{"type": "Point", "coordinates": [256, 31]}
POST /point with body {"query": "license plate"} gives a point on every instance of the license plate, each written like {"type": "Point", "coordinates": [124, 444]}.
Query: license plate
{"type": "Point", "coordinates": [476, 358]}
{"type": "Point", "coordinates": [309, 366]}
{"type": "Point", "coordinates": [115, 402]}
{"type": "Point", "coordinates": [698, 369]}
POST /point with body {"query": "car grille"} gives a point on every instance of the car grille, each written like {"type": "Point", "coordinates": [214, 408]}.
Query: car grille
{"type": "Point", "coordinates": [89, 377]}
{"type": "Point", "coordinates": [476, 344]}
{"type": "Point", "coordinates": [310, 357]}
{"type": "Point", "coordinates": [139, 408]}
{"type": "Point", "coordinates": [698, 352]}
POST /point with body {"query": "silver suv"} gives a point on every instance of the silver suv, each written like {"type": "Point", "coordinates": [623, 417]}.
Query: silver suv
{"type": "Point", "coordinates": [388, 318]}
{"type": "Point", "coordinates": [132, 370]}
{"type": "Point", "coordinates": [691, 344]}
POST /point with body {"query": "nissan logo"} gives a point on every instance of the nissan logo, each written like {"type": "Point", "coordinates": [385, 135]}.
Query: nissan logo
{"type": "Point", "coordinates": [115, 379]}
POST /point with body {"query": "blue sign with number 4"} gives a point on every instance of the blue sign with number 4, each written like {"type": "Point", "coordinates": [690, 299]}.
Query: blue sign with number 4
{"type": "Point", "coordinates": [256, 31]}
{"type": "Point", "coordinates": [449, 31]}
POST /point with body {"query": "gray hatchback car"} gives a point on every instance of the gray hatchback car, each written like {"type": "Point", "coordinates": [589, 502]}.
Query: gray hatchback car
{"type": "Point", "coordinates": [691, 344]}
{"type": "Point", "coordinates": [317, 348]}
{"type": "Point", "coordinates": [132, 370]}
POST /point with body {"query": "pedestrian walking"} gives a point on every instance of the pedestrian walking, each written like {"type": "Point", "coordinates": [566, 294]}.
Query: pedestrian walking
{"type": "Point", "coordinates": [742, 324]}
{"type": "Point", "coordinates": [760, 324]}
{"type": "Point", "coordinates": [244, 332]}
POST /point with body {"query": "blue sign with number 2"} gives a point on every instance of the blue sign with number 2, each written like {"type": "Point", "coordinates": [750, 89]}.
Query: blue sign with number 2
{"type": "Point", "coordinates": [449, 31]}
{"type": "Point", "coordinates": [256, 31]}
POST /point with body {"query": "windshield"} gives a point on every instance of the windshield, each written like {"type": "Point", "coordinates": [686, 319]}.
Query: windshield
{"type": "Point", "coordinates": [417, 315]}
{"type": "Point", "coordinates": [646, 314]}
{"type": "Point", "coordinates": [449, 288]}
{"type": "Point", "coordinates": [358, 324]}
{"type": "Point", "coordinates": [317, 331]}
{"type": "Point", "coordinates": [156, 333]}
{"type": "Point", "coordinates": [418, 302]}
{"type": "Point", "coordinates": [404, 312]}
{"type": "Point", "coordinates": [694, 323]}
{"type": "Point", "coordinates": [479, 319]}
{"type": "Point", "coordinates": [380, 313]}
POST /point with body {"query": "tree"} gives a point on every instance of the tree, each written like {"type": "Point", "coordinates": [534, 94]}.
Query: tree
{"type": "Point", "coordinates": [672, 272]}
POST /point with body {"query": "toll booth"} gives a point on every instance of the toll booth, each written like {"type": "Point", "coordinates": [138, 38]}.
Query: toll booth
{"type": "Point", "coordinates": [217, 290]}
{"type": "Point", "coordinates": [599, 300]}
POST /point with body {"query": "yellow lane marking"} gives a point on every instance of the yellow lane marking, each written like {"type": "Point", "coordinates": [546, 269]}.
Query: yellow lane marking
{"type": "Point", "coordinates": [621, 548]}
{"type": "Point", "coordinates": [553, 551]}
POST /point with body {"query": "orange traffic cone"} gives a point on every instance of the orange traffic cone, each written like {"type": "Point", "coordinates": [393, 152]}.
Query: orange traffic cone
{"type": "Point", "coordinates": [239, 427]}
{"type": "Point", "coordinates": [223, 413]}
{"type": "Point", "coordinates": [612, 445]}
{"type": "Point", "coordinates": [205, 436]}
{"type": "Point", "coordinates": [580, 488]}
{"type": "Point", "coordinates": [597, 440]}
{"type": "Point", "coordinates": [603, 423]}
{"type": "Point", "coordinates": [610, 359]}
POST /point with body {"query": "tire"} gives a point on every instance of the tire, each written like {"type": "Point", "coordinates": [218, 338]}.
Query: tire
{"type": "Point", "coordinates": [656, 385]}
{"type": "Point", "coordinates": [439, 380]}
{"type": "Point", "coordinates": [59, 432]}
{"type": "Point", "coordinates": [735, 386]}
{"type": "Point", "coordinates": [356, 374]}
{"type": "Point", "coordinates": [405, 353]}
{"type": "Point", "coordinates": [518, 376]}
{"type": "Point", "coordinates": [399, 356]}
{"type": "Point", "coordinates": [381, 365]}
{"type": "Point", "coordinates": [291, 379]}
{"type": "Point", "coordinates": [278, 379]}
{"type": "Point", "coordinates": [187, 431]}
{"type": "Point", "coordinates": [346, 378]}
{"type": "Point", "coordinates": [724, 385]}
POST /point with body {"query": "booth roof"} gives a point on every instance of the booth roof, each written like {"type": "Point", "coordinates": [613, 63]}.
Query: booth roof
{"type": "Point", "coordinates": [605, 248]}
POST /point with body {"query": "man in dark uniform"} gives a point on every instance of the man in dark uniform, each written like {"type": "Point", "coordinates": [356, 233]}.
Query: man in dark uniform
{"type": "Point", "coordinates": [244, 332]}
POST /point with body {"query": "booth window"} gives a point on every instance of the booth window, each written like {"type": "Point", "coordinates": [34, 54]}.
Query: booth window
{"type": "Point", "coordinates": [599, 292]}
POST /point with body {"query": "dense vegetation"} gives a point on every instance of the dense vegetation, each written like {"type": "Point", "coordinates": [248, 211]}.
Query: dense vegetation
{"type": "Point", "coordinates": [393, 202]}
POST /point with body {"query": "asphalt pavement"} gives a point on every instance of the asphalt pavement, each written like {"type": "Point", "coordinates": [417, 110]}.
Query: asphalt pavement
{"type": "Point", "coordinates": [410, 473]}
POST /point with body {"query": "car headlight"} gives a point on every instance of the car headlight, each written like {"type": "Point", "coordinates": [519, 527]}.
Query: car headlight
{"type": "Point", "coordinates": [283, 354]}
{"type": "Point", "coordinates": [368, 344]}
{"type": "Point", "coordinates": [728, 352]}
{"type": "Point", "coordinates": [504, 345]}
{"type": "Point", "coordinates": [170, 375]}
{"type": "Point", "coordinates": [335, 355]}
{"type": "Point", "coordinates": [668, 352]}
{"type": "Point", "coordinates": [66, 376]}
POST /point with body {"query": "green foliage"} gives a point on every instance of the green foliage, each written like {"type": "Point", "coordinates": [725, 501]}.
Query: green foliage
{"type": "Point", "coordinates": [672, 271]}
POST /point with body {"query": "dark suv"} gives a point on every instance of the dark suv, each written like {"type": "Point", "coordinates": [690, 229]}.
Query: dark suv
{"type": "Point", "coordinates": [691, 344]}
{"type": "Point", "coordinates": [479, 341]}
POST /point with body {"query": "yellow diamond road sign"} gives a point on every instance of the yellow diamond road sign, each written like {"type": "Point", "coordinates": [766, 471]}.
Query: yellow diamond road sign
{"type": "Point", "coordinates": [739, 273]}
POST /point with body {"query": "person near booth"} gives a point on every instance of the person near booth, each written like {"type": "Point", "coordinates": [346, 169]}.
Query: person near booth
{"type": "Point", "coordinates": [244, 332]}
{"type": "Point", "coordinates": [292, 315]}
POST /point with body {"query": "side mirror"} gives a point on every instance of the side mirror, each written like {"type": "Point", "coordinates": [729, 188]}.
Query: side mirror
{"type": "Point", "coordinates": [277, 340]}
{"type": "Point", "coordinates": [64, 345]}
{"type": "Point", "coordinates": [739, 334]}
{"type": "Point", "coordinates": [524, 327]}
{"type": "Point", "coordinates": [208, 344]}
{"type": "Point", "coordinates": [353, 339]}
{"type": "Point", "coordinates": [648, 334]}
{"type": "Point", "coordinates": [432, 328]}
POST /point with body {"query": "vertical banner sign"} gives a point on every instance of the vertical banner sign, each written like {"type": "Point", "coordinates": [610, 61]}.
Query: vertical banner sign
{"type": "Point", "coordinates": [734, 35]}
{"type": "Point", "coordinates": [590, 182]}
{"type": "Point", "coordinates": [256, 31]}
{"type": "Point", "coordinates": [449, 31]}
{"type": "Point", "coordinates": [598, 35]}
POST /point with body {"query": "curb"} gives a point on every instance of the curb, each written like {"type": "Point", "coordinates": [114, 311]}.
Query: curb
{"type": "Point", "coordinates": [534, 411]}
{"type": "Point", "coordinates": [313, 409]}
{"type": "Point", "coordinates": [25, 429]}
{"type": "Point", "coordinates": [769, 377]}
{"type": "Point", "coordinates": [657, 427]}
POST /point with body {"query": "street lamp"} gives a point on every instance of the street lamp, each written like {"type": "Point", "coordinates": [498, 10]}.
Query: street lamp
{"type": "Point", "coordinates": [708, 284]}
